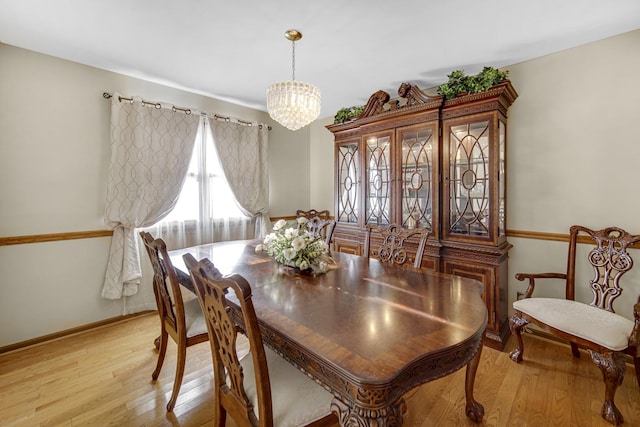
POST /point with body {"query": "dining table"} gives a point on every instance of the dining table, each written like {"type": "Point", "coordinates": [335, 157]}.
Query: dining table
{"type": "Point", "coordinates": [367, 331]}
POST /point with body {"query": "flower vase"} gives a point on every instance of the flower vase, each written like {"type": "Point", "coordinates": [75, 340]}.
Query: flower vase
{"type": "Point", "coordinates": [292, 269]}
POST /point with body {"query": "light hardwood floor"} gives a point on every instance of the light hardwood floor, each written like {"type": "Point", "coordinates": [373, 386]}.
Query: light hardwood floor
{"type": "Point", "coordinates": [103, 377]}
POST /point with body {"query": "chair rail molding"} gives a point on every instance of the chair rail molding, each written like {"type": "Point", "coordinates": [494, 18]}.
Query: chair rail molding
{"type": "Point", "coordinates": [90, 234]}
{"type": "Point", "coordinates": [54, 237]}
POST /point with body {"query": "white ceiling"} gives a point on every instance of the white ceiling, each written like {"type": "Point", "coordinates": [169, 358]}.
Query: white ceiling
{"type": "Point", "coordinates": [232, 50]}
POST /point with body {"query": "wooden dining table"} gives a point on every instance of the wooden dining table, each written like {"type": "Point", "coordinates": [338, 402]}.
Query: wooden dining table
{"type": "Point", "coordinates": [366, 331]}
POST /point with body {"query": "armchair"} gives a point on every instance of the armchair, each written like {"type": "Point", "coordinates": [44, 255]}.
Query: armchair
{"type": "Point", "coordinates": [594, 327]}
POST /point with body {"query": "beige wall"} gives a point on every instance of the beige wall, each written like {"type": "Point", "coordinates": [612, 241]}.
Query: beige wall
{"type": "Point", "coordinates": [289, 161]}
{"type": "Point", "coordinates": [321, 166]}
{"type": "Point", "coordinates": [54, 154]}
{"type": "Point", "coordinates": [572, 156]}
{"type": "Point", "coordinates": [573, 152]}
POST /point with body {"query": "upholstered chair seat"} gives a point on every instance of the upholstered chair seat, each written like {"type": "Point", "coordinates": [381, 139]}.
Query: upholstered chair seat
{"type": "Point", "coordinates": [194, 319]}
{"type": "Point", "coordinates": [290, 387]}
{"type": "Point", "coordinates": [610, 330]}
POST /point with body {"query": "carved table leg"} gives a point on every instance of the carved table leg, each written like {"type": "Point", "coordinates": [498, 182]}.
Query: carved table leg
{"type": "Point", "coordinates": [156, 343]}
{"type": "Point", "coordinates": [516, 323]}
{"type": "Point", "coordinates": [474, 410]}
{"type": "Point", "coordinates": [612, 365]}
{"type": "Point", "coordinates": [391, 416]}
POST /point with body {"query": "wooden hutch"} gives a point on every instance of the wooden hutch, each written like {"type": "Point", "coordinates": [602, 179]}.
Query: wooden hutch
{"type": "Point", "coordinates": [423, 161]}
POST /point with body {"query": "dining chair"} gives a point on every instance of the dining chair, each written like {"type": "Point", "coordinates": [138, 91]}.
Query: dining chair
{"type": "Point", "coordinates": [323, 228]}
{"type": "Point", "coordinates": [323, 215]}
{"type": "Point", "coordinates": [282, 395]}
{"type": "Point", "coordinates": [595, 326]}
{"type": "Point", "coordinates": [393, 247]}
{"type": "Point", "coordinates": [181, 320]}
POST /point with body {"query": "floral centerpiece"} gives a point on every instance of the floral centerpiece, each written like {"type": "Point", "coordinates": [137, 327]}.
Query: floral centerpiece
{"type": "Point", "coordinates": [292, 245]}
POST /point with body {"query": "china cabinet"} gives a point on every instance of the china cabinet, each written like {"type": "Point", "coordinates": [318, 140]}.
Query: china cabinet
{"type": "Point", "coordinates": [423, 161]}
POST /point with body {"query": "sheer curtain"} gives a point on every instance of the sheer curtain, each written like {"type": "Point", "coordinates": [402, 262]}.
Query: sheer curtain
{"type": "Point", "coordinates": [243, 154]}
{"type": "Point", "coordinates": [207, 210]}
{"type": "Point", "coordinates": [151, 146]}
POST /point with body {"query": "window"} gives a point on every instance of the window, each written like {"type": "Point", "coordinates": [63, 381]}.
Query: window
{"type": "Point", "coordinates": [205, 177]}
{"type": "Point", "coordinates": [206, 210]}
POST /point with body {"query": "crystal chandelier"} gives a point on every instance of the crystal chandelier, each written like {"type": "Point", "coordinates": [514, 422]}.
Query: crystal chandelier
{"type": "Point", "coordinates": [293, 104]}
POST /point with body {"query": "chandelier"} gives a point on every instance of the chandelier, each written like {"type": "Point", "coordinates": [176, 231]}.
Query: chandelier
{"type": "Point", "coordinates": [293, 104]}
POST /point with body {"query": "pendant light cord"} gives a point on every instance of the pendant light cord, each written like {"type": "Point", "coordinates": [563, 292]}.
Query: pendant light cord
{"type": "Point", "coordinates": [293, 60]}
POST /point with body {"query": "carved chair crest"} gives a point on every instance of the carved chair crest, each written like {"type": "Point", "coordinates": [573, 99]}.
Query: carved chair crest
{"type": "Point", "coordinates": [320, 228]}
{"type": "Point", "coordinates": [323, 214]}
{"type": "Point", "coordinates": [393, 249]}
{"type": "Point", "coordinates": [610, 261]}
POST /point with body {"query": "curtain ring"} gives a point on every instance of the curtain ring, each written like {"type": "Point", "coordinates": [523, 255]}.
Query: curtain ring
{"type": "Point", "coordinates": [158, 106]}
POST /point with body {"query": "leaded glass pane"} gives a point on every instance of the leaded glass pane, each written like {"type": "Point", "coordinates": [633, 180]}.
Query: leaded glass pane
{"type": "Point", "coordinates": [469, 179]}
{"type": "Point", "coordinates": [378, 203]}
{"type": "Point", "coordinates": [348, 183]}
{"type": "Point", "coordinates": [417, 150]}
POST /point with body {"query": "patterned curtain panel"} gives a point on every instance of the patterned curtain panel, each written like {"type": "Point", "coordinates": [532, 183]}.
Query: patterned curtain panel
{"type": "Point", "coordinates": [150, 152]}
{"type": "Point", "coordinates": [242, 151]}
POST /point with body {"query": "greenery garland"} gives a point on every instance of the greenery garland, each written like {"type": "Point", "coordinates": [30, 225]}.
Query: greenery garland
{"type": "Point", "coordinates": [457, 84]}
{"type": "Point", "coordinates": [348, 113]}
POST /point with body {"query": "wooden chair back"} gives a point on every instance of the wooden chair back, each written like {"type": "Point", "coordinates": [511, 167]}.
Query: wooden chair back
{"type": "Point", "coordinates": [230, 394]}
{"type": "Point", "coordinates": [393, 248]}
{"type": "Point", "coordinates": [322, 228]}
{"type": "Point", "coordinates": [166, 287]}
{"type": "Point", "coordinates": [323, 215]}
{"type": "Point", "coordinates": [609, 259]}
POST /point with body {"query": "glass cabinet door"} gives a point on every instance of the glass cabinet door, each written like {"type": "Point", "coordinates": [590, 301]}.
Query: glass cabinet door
{"type": "Point", "coordinates": [417, 148]}
{"type": "Point", "coordinates": [469, 173]}
{"type": "Point", "coordinates": [348, 178]}
{"type": "Point", "coordinates": [378, 174]}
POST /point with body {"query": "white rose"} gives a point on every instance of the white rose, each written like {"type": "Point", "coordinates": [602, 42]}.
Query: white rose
{"type": "Point", "coordinates": [278, 225]}
{"type": "Point", "coordinates": [298, 244]}
{"type": "Point", "coordinates": [289, 254]}
{"type": "Point", "coordinates": [260, 248]}
{"type": "Point", "coordinates": [304, 265]}
{"type": "Point", "coordinates": [302, 220]}
{"type": "Point", "coordinates": [290, 233]}
{"type": "Point", "coordinates": [323, 266]}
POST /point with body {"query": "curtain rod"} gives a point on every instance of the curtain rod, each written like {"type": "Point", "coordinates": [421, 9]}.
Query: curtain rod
{"type": "Point", "coordinates": [157, 105]}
